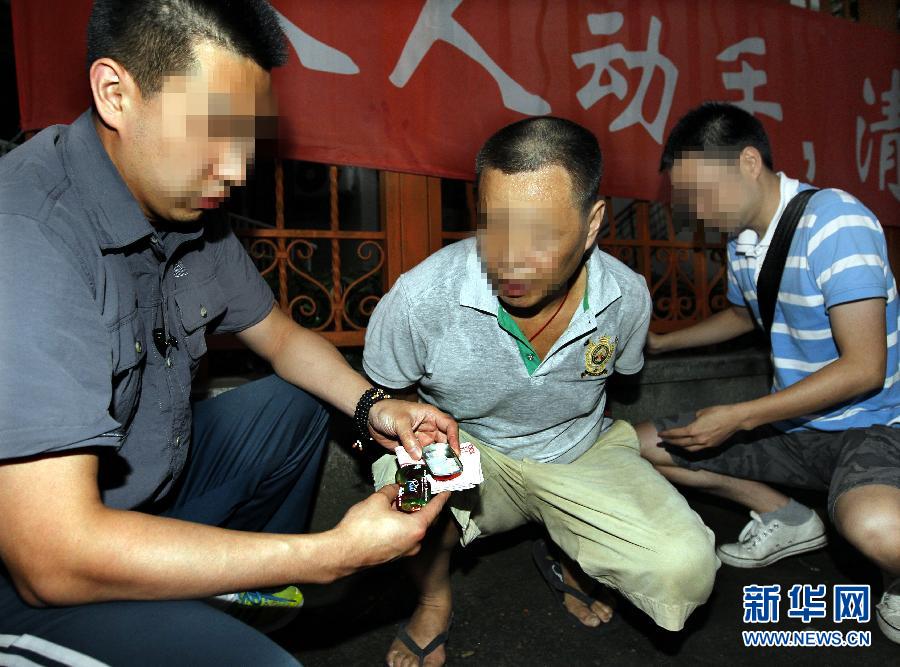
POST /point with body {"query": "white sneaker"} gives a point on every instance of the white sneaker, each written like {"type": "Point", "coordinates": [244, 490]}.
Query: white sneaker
{"type": "Point", "coordinates": [761, 544]}
{"type": "Point", "coordinates": [887, 612]}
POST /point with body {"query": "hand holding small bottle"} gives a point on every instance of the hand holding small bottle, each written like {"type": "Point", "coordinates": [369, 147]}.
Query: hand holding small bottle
{"type": "Point", "coordinates": [373, 532]}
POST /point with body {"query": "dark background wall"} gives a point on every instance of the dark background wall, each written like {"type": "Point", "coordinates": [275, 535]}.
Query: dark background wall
{"type": "Point", "coordinates": [9, 99]}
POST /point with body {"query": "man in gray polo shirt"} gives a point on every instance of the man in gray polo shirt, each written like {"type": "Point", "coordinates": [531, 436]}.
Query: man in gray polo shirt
{"type": "Point", "coordinates": [515, 334]}
{"type": "Point", "coordinates": [112, 490]}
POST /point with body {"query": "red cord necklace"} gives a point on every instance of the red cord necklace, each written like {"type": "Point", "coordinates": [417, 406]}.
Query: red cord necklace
{"type": "Point", "coordinates": [556, 312]}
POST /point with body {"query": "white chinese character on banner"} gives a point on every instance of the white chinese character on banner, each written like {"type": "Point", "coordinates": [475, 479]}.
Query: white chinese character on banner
{"type": "Point", "coordinates": [314, 54]}
{"type": "Point", "coordinates": [648, 60]}
{"type": "Point", "coordinates": [436, 24]}
{"type": "Point", "coordinates": [748, 79]}
{"type": "Point", "coordinates": [809, 155]}
{"type": "Point", "coordinates": [889, 149]}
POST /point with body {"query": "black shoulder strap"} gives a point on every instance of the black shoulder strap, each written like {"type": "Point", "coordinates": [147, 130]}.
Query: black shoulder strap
{"type": "Point", "coordinates": [773, 266]}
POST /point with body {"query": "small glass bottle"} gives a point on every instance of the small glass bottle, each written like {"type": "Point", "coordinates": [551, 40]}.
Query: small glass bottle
{"type": "Point", "coordinates": [442, 461]}
{"type": "Point", "coordinates": [415, 491]}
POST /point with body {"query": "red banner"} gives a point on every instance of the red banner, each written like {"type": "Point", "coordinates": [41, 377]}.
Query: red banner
{"type": "Point", "coordinates": [417, 85]}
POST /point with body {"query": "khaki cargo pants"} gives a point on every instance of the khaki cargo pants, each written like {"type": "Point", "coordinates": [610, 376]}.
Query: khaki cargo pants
{"type": "Point", "coordinates": [609, 510]}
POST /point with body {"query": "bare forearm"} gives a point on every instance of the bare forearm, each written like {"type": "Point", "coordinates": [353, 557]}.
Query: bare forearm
{"type": "Point", "coordinates": [831, 385]}
{"type": "Point", "coordinates": [724, 325]}
{"type": "Point", "coordinates": [306, 359]}
{"type": "Point", "coordinates": [314, 364]}
{"type": "Point", "coordinates": [858, 329]}
{"type": "Point", "coordinates": [133, 556]}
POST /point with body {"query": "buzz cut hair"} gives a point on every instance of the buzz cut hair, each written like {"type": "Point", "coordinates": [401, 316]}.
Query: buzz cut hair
{"type": "Point", "coordinates": [716, 128]}
{"type": "Point", "coordinates": [534, 143]}
{"type": "Point", "coordinates": [156, 38]}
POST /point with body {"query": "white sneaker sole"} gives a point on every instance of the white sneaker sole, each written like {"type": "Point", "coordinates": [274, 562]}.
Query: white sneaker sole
{"type": "Point", "coordinates": [811, 544]}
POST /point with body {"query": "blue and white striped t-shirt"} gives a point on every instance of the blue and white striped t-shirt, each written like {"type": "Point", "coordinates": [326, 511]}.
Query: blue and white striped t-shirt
{"type": "Point", "coordinates": [838, 254]}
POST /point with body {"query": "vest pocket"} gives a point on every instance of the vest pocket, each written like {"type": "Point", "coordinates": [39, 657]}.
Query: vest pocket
{"type": "Point", "coordinates": [129, 349]}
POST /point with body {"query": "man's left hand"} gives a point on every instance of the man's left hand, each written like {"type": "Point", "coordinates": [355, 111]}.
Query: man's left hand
{"type": "Point", "coordinates": [414, 425]}
{"type": "Point", "coordinates": [711, 428]}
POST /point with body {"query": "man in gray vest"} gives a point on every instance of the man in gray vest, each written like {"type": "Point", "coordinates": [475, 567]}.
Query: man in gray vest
{"type": "Point", "coordinates": [121, 508]}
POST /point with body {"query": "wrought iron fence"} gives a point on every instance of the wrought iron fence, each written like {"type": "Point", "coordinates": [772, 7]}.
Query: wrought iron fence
{"type": "Point", "coordinates": [684, 267]}
{"type": "Point", "coordinates": [329, 270]}
{"type": "Point", "coordinates": [326, 276]}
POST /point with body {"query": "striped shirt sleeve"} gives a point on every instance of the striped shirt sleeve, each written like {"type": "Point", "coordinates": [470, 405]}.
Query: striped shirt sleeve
{"type": "Point", "coordinates": [846, 252]}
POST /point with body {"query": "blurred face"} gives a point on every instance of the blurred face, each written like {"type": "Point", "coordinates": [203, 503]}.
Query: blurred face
{"type": "Point", "coordinates": [532, 234]}
{"type": "Point", "coordinates": [184, 148]}
{"type": "Point", "coordinates": [716, 191]}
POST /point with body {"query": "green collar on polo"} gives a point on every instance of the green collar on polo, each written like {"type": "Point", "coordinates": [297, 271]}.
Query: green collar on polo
{"type": "Point", "coordinates": [530, 357]}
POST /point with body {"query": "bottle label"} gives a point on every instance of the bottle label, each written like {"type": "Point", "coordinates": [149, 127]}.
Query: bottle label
{"type": "Point", "coordinates": [414, 492]}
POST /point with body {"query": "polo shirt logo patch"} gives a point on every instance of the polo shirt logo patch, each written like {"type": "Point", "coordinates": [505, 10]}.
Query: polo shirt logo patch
{"type": "Point", "coordinates": [598, 355]}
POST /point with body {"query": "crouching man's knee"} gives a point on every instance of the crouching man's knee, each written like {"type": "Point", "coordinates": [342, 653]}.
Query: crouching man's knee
{"type": "Point", "coordinates": [680, 578]}
{"type": "Point", "coordinates": [687, 570]}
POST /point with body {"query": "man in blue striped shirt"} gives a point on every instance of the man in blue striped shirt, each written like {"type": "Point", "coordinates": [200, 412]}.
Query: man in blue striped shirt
{"type": "Point", "coordinates": [832, 419]}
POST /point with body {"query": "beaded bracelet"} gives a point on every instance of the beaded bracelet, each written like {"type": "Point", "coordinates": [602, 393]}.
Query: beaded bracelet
{"type": "Point", "coordinates": [361, 415]}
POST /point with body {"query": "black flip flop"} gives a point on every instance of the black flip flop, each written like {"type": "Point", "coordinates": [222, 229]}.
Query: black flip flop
{"type": "Point", "coordinates": [551, 570]}
{"type": "Point", "coordinates": [422, 652]}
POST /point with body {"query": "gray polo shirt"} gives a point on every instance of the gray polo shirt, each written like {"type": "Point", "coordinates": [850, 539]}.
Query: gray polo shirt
{"type": "Point", "coordinates": [441, 327]}
{"type": "Point", "coordinates": [86, 280]}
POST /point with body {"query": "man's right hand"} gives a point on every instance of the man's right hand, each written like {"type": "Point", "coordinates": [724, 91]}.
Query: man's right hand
{"type": "Point", "coordinates": [374, 531]}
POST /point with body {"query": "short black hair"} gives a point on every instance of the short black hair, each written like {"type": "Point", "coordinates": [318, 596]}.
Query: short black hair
{"type": "Point", "coordinates": [153, 38]}
{"type": "Point", "coordinates": [534, 143]}
{"type": "Point", "coordinates": [716, 127]}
